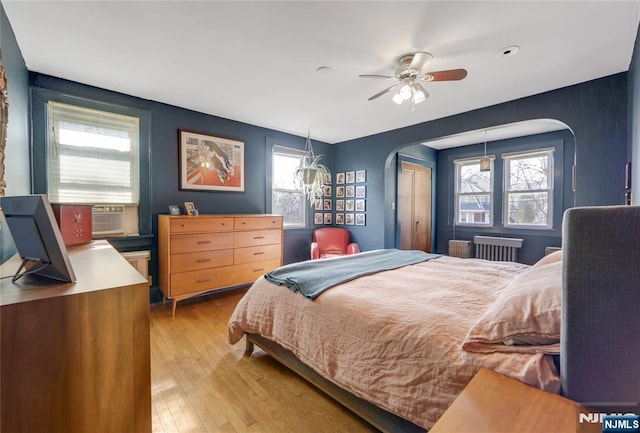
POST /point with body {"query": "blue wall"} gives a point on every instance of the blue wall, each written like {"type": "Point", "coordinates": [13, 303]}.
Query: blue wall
{"type": "Point", "coordinates": [17, 161]}
{"type": "Point", "coordinates": [634, 124]}
{"type": "Point", "coordinates": [595, 111]}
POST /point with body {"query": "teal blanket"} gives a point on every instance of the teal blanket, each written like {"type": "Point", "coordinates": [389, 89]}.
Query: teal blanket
{"type": "Point", "coordinates": [313, 277]}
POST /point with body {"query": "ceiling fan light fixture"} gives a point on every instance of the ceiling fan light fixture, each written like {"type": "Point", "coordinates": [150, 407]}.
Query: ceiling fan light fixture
{"type": "Point", "coordinates": [397, 99]}
{"type": "Point", "coordinates": [405, 91]}
{"type": "Point", "coordinates": [419, 94]}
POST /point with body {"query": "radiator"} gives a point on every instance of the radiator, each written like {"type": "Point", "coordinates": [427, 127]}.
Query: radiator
{"type": "Point", "coordinates": [496, 248]}
{"type": "Point", "coordinates": [460, 249]}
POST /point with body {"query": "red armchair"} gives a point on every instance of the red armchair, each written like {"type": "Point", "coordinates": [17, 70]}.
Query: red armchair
{"type": "Point", "coordinates": [332, 242]}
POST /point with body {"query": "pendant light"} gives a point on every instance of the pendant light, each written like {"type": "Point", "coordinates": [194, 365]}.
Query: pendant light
{"type": "Point", "coordinates": [485, 161]}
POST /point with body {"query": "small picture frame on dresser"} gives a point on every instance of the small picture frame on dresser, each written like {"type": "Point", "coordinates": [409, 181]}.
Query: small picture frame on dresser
{"type": "Point", "coordinates": [190, 208]}
{"type": "Point", "coordinates": [174, 209]}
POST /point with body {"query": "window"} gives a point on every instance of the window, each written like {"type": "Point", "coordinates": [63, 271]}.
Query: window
{"type": "Point", "coordinates": [474, 191]}
{"type": "Point", "coordinates": [528, 190]}
{"type": "Point", "coordinates": [93, 155]}
{"type": "Point", "coordinates": [287, 199]}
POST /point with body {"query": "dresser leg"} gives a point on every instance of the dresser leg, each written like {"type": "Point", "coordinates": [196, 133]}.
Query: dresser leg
{"type": "Point", "coordinates": [174, 302]}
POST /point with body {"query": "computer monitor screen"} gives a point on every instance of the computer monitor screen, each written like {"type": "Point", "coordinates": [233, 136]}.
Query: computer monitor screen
{"type": "Point", "coordinates": [37, 237]}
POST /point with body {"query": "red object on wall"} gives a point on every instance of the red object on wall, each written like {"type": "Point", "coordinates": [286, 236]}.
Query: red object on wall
{"type": "Point", "coordinates": [74, 222]}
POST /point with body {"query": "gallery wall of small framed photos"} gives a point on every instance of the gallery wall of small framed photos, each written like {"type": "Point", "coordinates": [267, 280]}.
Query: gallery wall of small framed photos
{"type": "Point", "coordinates": [350, 204]}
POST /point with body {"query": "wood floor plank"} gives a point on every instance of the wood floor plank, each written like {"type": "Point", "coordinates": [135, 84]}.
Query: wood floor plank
{"type": "Point", "coordinates": [202, 384]}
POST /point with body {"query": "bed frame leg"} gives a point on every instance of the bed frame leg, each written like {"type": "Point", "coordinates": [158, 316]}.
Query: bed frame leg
{"type": "Point", "coordinates": [248, 349]}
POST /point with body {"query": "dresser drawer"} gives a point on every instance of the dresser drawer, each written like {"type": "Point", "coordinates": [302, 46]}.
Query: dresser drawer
{"type": "Point", "coordinates": [201, 242]}
{"type": "Point", "coordinates": [254, 254]}
{"type": "Point", "coordinates": [253, 223]}
{"type": "Point", "coordinates": [249, 272]}
{"type": "Point", "coordinates": [255, 238]}
{"type": "Point", "coordinates": [201, 260]}
{"type": "Point", "coordinates": [200, 224]}
{"type": "Point", "coordinates": [200, 281]}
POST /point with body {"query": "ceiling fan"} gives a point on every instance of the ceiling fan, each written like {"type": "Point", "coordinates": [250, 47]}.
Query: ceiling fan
{"type": "Point", "coordinates": [407, 77]}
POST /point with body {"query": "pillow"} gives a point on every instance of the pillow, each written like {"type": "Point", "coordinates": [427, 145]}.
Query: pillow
{"type": "Point", "coordinates": [555, 256]}
{"type": "Point", "coordinates": [525, 317]}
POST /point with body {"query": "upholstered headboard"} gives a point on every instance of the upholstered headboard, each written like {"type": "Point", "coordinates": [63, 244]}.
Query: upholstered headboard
{"type": "Point", "coordinates": [600, 355]}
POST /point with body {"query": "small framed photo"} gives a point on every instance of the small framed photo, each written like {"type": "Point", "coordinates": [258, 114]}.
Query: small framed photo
{"type": "Point", "coordinates": [360, 206]}
{"type": "Point", "coordinates": [349, 219]}
{"type": "Point", "coordinates": [349, 205]}
{"type": "Point", "coordinates": [190, 208]}
{"type": "Point", "coordinates": [339, 191]}
{"type": "Point", "coordinates": [327, 204]}
{"type": "Point", "coordinates": [360, 219]}
{"type": "Point", "coordinates": [339, 218]}
{"type": "Point", "coordinates": [317, 218]}
{"type": "Point", "coordinates": [361, 191]}
{"type": "Point", "coordinates": [361, 176]}
{"type": "Point", "coordinates": [327, 191]}
{"type": "Point", "coordinates": [350, 191]}
{"type": "Point", "coordinates": [339, 204]}
{"type": "Point", "coordinates": [327, 218]}
{"type": "Point", "coordinates": [317, 204]}
{"type": "Point", "coordinates": [327, 179]}
{"type": "Point", "coordinates": [340, 178]}
{"type": "Point", "coordinates": [174, 209]}
{"type": "Point", "coordinates": [350, 177]}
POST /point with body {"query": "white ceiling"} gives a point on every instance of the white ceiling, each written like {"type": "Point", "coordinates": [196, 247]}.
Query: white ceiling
{"type": "Point", "coordinates": [256, 62]}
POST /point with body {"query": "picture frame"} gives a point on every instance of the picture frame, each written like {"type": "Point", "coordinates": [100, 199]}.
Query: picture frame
{"type": "Point", "coordinates": [350, 177]}
{"type": "Point", "coordinates": [349, 205]}
{"type": "Point", "coordinates": [360, 205]}
{"type": "Point", "coordinates": [349, 219]}
{"type": "Point", "coordinates": [327, 204]}
{"type": "Point", "coordinates": [317, 204]}
{"type": "Point", "coordinates": [339, 204]}
{"type": "Point", "coordinates": [210, 163]}
{"type": "Point", "coordinates": [190, 208]}
{"type": "Point", "coordinates": [174, 209]}
{"type": "Point", "coordinates": [361, 176]}
{"type": "Point", "coordinates": [340, 218]}
{"type": "Point", "coordinates": [340, 178]}
{"type": "Point", "coordinates": [360, 219]}
{"type": "Point", "coordinates": [318, 218]}
{"type": "Point", "coordinates": [326, 191]}
{"type": "Point", "coordinates": [339, 191]}
{"type": "Point", "coordinates": [350, 191]}
{"type": "Point", "coordinates": [327, 218]}
{"type": "Point", "coordinates": [361, 191]}
{"type": "Point", "coordinates": [327, 179]}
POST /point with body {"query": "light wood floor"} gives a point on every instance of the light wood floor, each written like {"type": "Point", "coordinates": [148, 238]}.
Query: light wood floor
{"type": "Point", "coordinates": [200, 383]}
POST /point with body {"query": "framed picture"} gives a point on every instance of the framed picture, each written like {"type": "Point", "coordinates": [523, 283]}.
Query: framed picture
{"type": "Point", "coordinates": [327, 204]}
{"type": "Point", "coordinates": [327, 191]}
{"type": "Point", "coordinates": [189, 208]}
{"type": "Point", "coordinates": [327, 179]}
{"type": "Point", "coordinates": [327, 218]}
{"type": "Point", "coordinates": [317, 218]}
{"type": "Point", "coordinates": [350, 177]}
{"type": "Point", "coordinates": [360, 219]}
{"type": "Point", "coordinates": [360, 205]}
{"type": "Point", "coordinates": [349, 219]}
{"type": "Point", "coordinates": [339, 204]}
{"type": "Point", "coordinates": [340, 178]}
{"type": "Point", "coordinates": [361, 191]}
{"type": "Point", "coordinates": [317, 204]}
{"type": "Point", "coordinates": [361, 176]}
{"type": "Point", "coordinates": [339, 191]}
{"type": "Point", "coordinates": [174, 209]}
{"type": "Point", "coordinates": [350, 191]}
{"type": "Point", "coordinates": [339, 218]}
{"type": "Point", "coordinates": [348, 205]}
{"type": "Point", "coordinates": [210, 163]}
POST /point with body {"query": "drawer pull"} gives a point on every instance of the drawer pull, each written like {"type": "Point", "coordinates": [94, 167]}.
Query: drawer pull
{"type": "Point", "coordinates": [258, 237]}
{"type": "Point", "coordinates": [203, 260]}
{"type": "Point", "coordinates": [258, 253]}
{"type": "Point", "coordinates": [204, 280]}
{"type": "Point", "coordinates": [203, 242]}
{"type": "Point", "coordinates": [258, 270]}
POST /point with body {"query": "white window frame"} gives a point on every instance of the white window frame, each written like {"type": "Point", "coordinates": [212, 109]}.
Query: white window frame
{"type": "Point", "coordinates": [508, 158]}
{"type": "Point", "coordinates": [458, 164]}
{"type": "Point", "coordinates": [58, 113]}
{"type": "Point", "coordinates": [287, 151]}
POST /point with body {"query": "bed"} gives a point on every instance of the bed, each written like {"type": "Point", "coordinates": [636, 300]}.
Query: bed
{"type": "Point", "coordinates": [398, 346]}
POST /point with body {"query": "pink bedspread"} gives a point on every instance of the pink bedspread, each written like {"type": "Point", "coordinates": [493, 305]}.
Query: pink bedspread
{"type": "Point", "coordinates": [394, 338]}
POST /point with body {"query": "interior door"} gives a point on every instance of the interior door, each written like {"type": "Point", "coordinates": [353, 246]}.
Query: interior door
{"type": "Point", "coordinates": [414, 206]}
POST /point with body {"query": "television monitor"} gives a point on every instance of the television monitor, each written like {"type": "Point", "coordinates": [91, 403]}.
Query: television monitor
{"type": "Point", "coordinates": [37, 237]}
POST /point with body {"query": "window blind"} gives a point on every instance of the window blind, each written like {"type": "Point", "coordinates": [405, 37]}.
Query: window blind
{"type": "Point", "coordinates": [93, 155]}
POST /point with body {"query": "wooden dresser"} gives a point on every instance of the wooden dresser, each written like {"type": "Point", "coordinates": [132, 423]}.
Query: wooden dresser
{"type": "Point", "coordinates": [197, 254]}
{"type": "Point", "coordinates": [75, 357]}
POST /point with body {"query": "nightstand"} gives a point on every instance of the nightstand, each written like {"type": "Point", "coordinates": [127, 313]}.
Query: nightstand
{"type": "Point", "coordinates": [493, 403]}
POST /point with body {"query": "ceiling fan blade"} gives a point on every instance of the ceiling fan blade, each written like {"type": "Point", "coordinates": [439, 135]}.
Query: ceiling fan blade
{"type": "Point", "coordinates": [449, 75]}
{"type": "Point", "coordinates": [379, 94]}
{"type": "Point", "coordinates": [386, 77]}
{"type": "Point", "coordinates": [419, 61]}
